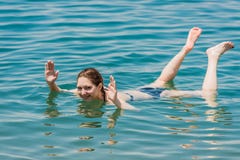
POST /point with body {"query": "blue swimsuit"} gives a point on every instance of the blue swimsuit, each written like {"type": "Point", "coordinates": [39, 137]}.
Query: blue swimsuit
{"type": "Point", "coordinates": [154, 92]}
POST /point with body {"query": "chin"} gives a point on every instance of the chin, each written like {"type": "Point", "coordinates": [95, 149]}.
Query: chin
{"type": "Point", "coordinates": [86, 98]}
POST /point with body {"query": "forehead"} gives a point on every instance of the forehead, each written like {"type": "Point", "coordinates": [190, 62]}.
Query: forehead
{"type": "Point", "coordinates": [83, 81]}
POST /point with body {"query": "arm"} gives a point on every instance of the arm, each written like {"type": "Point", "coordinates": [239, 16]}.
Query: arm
{"type": "Point", "coordinates": [115, 98]}
{"type": "Point", "coordinates": [51, 76]}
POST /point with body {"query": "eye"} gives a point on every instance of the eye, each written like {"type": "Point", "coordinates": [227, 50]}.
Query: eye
{"type": "Point", "coordinates": [88, 88]}
{"type": "Point", "coordinates": [79, 88]}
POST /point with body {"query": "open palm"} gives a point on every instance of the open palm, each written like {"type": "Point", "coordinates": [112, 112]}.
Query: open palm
{"type": "Point", "coordinates": [50, 74]}
{"type": "Point", "coordinates": [112, 90]}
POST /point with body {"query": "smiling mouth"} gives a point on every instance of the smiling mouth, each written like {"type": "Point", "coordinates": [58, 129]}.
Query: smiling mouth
{"type": "Point", "coordinates": [86, 97]}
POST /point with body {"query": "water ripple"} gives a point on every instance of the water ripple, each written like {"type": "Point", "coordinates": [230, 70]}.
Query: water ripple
{"type": "Point", "coordinates": [132, 40]}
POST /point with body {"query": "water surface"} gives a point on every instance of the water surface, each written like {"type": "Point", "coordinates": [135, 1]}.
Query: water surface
{"type": "Point", "coordinates": [131, 40]}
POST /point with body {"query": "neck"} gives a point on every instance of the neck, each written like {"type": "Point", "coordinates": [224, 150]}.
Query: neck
{"type": "Point", "coordinates": [102, 95]}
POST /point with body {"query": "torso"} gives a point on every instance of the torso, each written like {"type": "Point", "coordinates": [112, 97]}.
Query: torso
{"type": "Point", "coordinates": [142, 93]}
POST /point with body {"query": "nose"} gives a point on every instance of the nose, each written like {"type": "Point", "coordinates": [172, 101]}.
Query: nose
{"type": "Point", "coordinates": [83, 92]}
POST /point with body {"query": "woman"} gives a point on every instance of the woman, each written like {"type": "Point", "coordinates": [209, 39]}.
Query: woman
{"type": "Point", "coordinates": [89, 86]}
{"type": "Point", "coordinates": [90, 82]}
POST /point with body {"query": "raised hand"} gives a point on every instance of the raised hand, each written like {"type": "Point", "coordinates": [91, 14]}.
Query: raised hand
{"type": "Point", "coordinates": [113, 97]}
{"type": "Point", "coordinates": [50, 74]}
{"type": "Point", "coordinates": [112, 90]}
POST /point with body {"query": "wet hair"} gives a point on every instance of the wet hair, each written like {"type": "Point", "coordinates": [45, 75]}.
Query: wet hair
{"type": "Point", "coordinates": [94, 76]}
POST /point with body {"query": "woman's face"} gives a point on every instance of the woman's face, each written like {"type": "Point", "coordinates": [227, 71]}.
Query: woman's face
{"type": "Point", "coordinates": [87, 90]}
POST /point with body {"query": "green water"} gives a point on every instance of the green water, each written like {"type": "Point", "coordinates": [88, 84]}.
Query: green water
{"type": "Point", "coordinates": [132, 40]}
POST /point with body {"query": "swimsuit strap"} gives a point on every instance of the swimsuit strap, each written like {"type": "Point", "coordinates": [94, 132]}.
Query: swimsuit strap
{"type": "Point", "coordinates": [131, 97]}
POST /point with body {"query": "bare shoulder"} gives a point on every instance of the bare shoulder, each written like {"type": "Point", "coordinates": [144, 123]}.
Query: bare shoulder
{"type": "Point", "coordinates": [74, 91]}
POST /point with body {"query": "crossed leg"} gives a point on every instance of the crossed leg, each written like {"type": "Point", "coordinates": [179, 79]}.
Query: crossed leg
{"type": "Point", "coordinates": [209, 86]}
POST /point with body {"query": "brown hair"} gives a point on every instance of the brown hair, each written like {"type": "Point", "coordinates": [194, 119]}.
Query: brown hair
{"type": "Point", "coordinates": [94, 76]}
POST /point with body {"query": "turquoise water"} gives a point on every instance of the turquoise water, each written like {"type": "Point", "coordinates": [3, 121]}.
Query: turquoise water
{"type": "Point", "coordinates": [131, 40]}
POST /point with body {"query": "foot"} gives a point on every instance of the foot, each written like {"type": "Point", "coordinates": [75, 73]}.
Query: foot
{"type": "Point", "coordinates": [193, 35]}
{"type": "Point", "coordinates": [219, 49]}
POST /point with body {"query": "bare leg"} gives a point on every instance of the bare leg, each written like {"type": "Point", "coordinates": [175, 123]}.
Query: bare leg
{"type": "Point", "coordinates": [209, 87]}
{"type": "Point", "coordinates": [214, 53]}
{"type": "Point", "coordinates": [171, 69]}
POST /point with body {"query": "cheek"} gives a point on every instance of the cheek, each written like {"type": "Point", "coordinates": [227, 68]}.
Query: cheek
{"type": "Point", "coordinates": [95, 92]}
{"type": "Point", "coordinates": [92, 91]}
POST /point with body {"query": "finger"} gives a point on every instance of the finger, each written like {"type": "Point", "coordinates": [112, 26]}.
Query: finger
{"type": "Point", "coordinates": [112, 81]}
{"type": "Point", "coordinates": [111, 86]}
{"type": "Point", "coordinates": [46, 66]}
{"type": "Point", "coordinates": [51, 65]}
{"type": "Point", "coordinates": [56, 73]}
{"type": "Point", "coordinates": [111, 78]}
{"type": "Point", "coordinates": [111, 89]}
